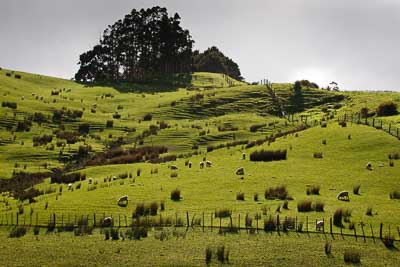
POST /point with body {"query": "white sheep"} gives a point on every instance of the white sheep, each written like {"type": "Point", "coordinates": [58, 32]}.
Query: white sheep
{"type": "Point", "coordinates": [240, 171]}
{"type": "Point", "coordinates": [90, 180]}
{"type": "Point", "coordinates": [320, 225]}
{"type": "Point", "coordinates": [369, 166]}
{"type": "Point", "coordinates": [243, 155]}
{"type": "Point", "coordinates": [343, 195]}
{"type": "Point", "coordinates": [69, 186]}
{"type": "Point", "coordinates": [208, 164]}
{"type": "Point", "coordinates": [190, 164]}
{"type": "Point", "coordinates": [201, 164]}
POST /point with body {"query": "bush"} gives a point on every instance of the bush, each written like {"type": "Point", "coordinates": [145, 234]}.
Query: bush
{"type": "Point", "coordinates": [352, 256]}
{"type": "Point", "coordinates": [387, 108]}
{"type": "Point", "coordinates": [116, 115]}
{"type": "Point", "coordinates": [324, 141]}
{"type": "Point", "coordinates": [356, 189]}
{"type": "Point", "coordinates": [279, 192]}
{"type": "Point", "coordinates": [304, 205]}
{"type": "Point", "coordinates": [319, 206]}
{"type": "Point", "coordinates": [268, 155]}
{"type": "Point", "coordinates": [6, 104]}
{"type": "Point", "coordinates": [17, 231]}
{"type": "Point", "coordinates": [109, 123]}
{"type": "Point", "coordinates": [17, 76]}
{"type": "Point", "coordinates": [256, 197]}
{"type": "Point", "coordinates": [240, 196]}
{"type": "Point", "coordinates": [136, 232]}
{"type": "Point", "coordinates": [340, 214]}
{"type": "Point", "coordinates": [148, 117]}
{"type": "Point", "coordinates": [223, 213]}
{"type": "Point", "coordinates": [269, 225]}
{"type": "Point", "coordinates": [388, 240]}
{"type": "Point", "coordinates": [395, 195]}
{"type": "Point", "coordinates": [174, 174]}
{"type": "Point", "coordinates": [313, 190]}
{"type": "Point", "coordinates": [317, 155]}
{"type": "Point", "coordinates": [176, 195]}
{"type": "Point", "coordinates": [208, 255]}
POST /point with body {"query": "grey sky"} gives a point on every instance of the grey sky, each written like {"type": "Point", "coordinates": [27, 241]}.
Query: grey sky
{"type": "Point", "coordinates": [353, 42]}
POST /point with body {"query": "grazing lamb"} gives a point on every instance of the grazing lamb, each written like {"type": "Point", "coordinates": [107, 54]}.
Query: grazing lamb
{"type": "Point", "coordinates": [190, 164]}
{"type": "Point", "coordinates": [69, 186]}
{"type": "Point", "coordinates": [344, 195]}
{"type": "Point", "coordinates": [240, 171]}
{"type": "Point", "coordinates": [320, 225]}
{"type": "Point", "coordinates": [201, 164]}
{"type": "Point", "coordinates": [90, 180]}
{"type": "Point", "coordinates": [114, 177]}
{"type": "Point", "coordinates": [107, 222]}
{"type": "Point", "coordinates": [208, 164]}
{"type": "Point", "coordinates": [369, 166]}
{"type": "Point", "coordinates": [174, 167]}
{"type": "Point", "coordinates": [244, 156]}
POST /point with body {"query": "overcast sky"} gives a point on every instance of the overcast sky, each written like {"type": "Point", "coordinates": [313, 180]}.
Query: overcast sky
{"type": "Point", "coordinates": [353, 42]}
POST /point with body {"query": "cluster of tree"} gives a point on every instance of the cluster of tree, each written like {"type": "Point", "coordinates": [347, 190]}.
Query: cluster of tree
{"type": "Point", "coordinates": [213, 60]}
{"type": "Point", "coordinates": [145, 44]}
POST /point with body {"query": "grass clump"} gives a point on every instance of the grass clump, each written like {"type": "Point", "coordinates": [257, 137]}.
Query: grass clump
{"type": "Point", "coordinates": [318, 155]}
{"type": "Point", "coordinates": [222, 254]}
{"type": "Point", "coordinates": [304, 205]}
{"type": "Point", "coordinates": [339, 215]}
{"type": "Point", "coordinates": [279, 192]}
{"type": "Point", "coordinates": [313, 189]}
{"type": "Point", "coordinates": [240, 196]}
{"type": "Point", "coordinates": [17, 232]}
{"type": "Point", "coordinates": [328, 248]}
{"type": "Point", "coordinates": [176, 194]}
{"type": "Point", "coordinates": [352, 256]}
{"type": "Point", "coordinates": [270, 224]}
{"type": "Point", "coordinates": [223, 213]}
{"type": "Point", "coordinates": [356, 189]}
{"type": "Point", "coordinates": [394, 194]}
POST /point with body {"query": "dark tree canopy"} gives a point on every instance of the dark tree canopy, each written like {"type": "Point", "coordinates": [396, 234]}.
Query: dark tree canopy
{"type": "Point", "coordinates": [144, 45]}
{"type": "Point", "coordinates": [213, 60]}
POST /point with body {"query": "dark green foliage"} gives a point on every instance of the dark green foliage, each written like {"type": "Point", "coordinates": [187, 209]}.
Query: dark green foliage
{"type": "Point", "coordinates": [23, 126]}
{"type": "Point", "coordinates": [223, 213]}
{"type": "Point", "coordinates": [58, 176]}
{"type": "Point", "coordinates": [213, 60]}
{"type": "Point", "coordinates": [145, 44]}
{"type": "Point", "coordinates": [279, 192]}
{"type": "Point", "coordinates": [318, 155]}
{"type": "Point", "coordinates": [387, 108]}
{"type": "Point", "coordinates": [369, 211]}
{"type": "Point", "coordinates": [17, 231]}
{"type": "Point", "coordinates": [352, 256]}
{"type": "Point", "coordinates": [356, 189]}
{"type": "Point", "coordinates": [394, 155]}
{"type": "Point", "coordinates": [83, 227]}
{"type": "Point", "coordinates": [66, 115]}
{"type": "Point", "coordinates": [6, 104]}
{"type": "Point", "coordinates": [268, 155]}
{"type": "Point", "coordinates": [319, 206]}
{"type": "Point", "coordinates": [176, 195]}
{"type": "Point", "coordinates": [285, 205]}
{"type": "Point", "coordinates": [256, 197]}
{"type": "Point", "coordinates": [148, 117]}
{"type": "Point", "coordinates": [114, 234]}
{"type": "Point", "coordinates": [84, 128]}
{"type": "Point", "coordinates": [394, 195]}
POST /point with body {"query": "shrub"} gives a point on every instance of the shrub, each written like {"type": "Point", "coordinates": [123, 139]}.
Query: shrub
{"type": "Point", "coordinates": [174, 174]}
{"type": "Point", "coordinates": [279, 192]}
{"type": "Point", "coordinates": [268, 155]}
{"type": "Point", "coordinates": [395, 195]}
{"type": "Point", "coordinates": [388, 240]}
{"type": "Point", "coordinates": [240, 196]}
{"type": "Point", "coordinates": [148, 117]}
{"type": "Point", "coordinates": [36, 230]}
{"type": "Point", "coordinates": [313, 190]}
{"type": "Point", "coordinates": [222, 254]}
{"type": "Point", "coordinates": [356, 189]}
{"type": "Point", "coordinates": [328, 248]}
{"type": "Point", "coordinates": [340, 214]}
{"type": "Point", "coordinates": [222, 213]}
{"type": "Point", "coordinates": [176, 194]}
{"type": "Point", "coordinates": [17, 231]}
{"type": "Point", "coordinates": [109, 123]}
{"type": "Point", "coordinates": [256, 197]}
{"type": "Point", "coordinates": [319, 206]}
{"type": "Point", "coordinates": [17, 76]}
{"type": "Point", "coordinates": [369, 211]}
{"type": "Point", "coordinates": [352, 256]}
{"type": "Point", "coordinates": [23, 126]}
{"type": "Point", "coordinates": [304, 205]}
{"type": "Point", "coordinates": [116, 115]}
{"type": "Point", "coordinates": [285, 205]}
{"type": "Point", "coordinates": [317, 155]}
{"type": "Point", "coordinates": [106, 234]}
{"type": "Point", "coordinates": [208, 255]}
{"type": "Point", "coordinates": [387, 108]}
{"type": "Point", "coordinates": [162, 205]}
{"type": "Point", "coordinates": [364, 112]}
{"type": "Point", "coordinates": [269, 225]}
{"type": "Point", "coordinates": [136, 232]}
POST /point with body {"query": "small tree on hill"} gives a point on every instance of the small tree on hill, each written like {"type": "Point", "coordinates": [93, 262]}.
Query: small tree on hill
{"type": "Point", "coordinates": [387, 108]}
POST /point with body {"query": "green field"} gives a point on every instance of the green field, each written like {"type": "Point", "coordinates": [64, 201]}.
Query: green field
{"type": "Point", "coordinates": [208, 112]}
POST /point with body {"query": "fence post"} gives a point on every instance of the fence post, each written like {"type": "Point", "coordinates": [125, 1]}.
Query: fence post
{"type": "Point", "coordinates": [211, 221]}
{"type": "Point", "coordinates": [17, 218]}
{"type": "Point", "coordinates": [381, 125]}
{"type": "Point", "coordinates": [239, 222]}
{"type": "Point", "coordinates": [277, 223]}
{"type": "Point", "coordinates": [362, 229]}
{"type": "Point", "coordinates": [373, 122]}
{"type": "Point", "coordinates": [24, 219]}
{"type": "Point", "coordinates": [330, 225]}
{"type": "Point", "coordinates": [220, 223]}
{"type": "Point", "coordinates": [126, 221]}
{"type": "Point", "coordinates": [54, 219]}
{"type": "Point", "coordinates": [257, 222]}
{"type": "Point", "coordinates": [37, 219]}
{"type": "Point", "coordinates": [203, 221]}
{"type": "Point", "coordinates": [372, 232]}
{"type": "Point", "coordinates": [355, 233]}
{"type": "Point", "coordinates": [390, 126]}
{"type": "Point", "coordinates": [307, 223]}
{"type": "Point", "coordinates": [187, 219]}
{"type": "Point", "coordinates": [62, 219]}
{"type": "Point", "coordinates": [380, 231]}
{"type": "Point", "coordinates": [323, 225]}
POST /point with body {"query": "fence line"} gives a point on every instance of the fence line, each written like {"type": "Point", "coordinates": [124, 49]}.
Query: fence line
{"type": "Point", "coordinates": [232, 223]}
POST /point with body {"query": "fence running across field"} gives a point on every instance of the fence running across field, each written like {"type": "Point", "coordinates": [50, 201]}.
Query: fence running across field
{"type": "Point", "coordinates": [206, 221]}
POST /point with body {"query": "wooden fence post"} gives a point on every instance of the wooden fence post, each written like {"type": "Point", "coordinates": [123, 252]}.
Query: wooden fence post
{"type": "Point", "coordinates": [239, 222]}
{"type": "Point", "coordinates": [54, 219]}
{"type": "Point", "coordinates": [372, 233]}
{"type": "Point", "coordinates": [307, 223]}
{"type": "Point", "coordinates": [203, 221]}
{"type": "Point", "coordinates": [330, 225]}
{"type": "Point", "coordinates": [390, 126]}
{"type": "Point", "coordinates": [380, 231]}
{"type": "Point", "coordinates": [277, 223]}
{"type": "Point", "coordinates": [17, 218]}
{"type": "Point", "coordinates": [373, 122]}
{"type": "Point", "coordinates": [257, 222]}
{"type": "Point", "coordinates": [211, 221]}
{"type": "Point", "coordinates": [37, 219]}
{"type": "Point", "coordinates": [220, 223]}
{"type": "Point", "coordinates": [362, 229]}
{"type": "Point", "coordinates": [355, 233]}
{"type": "Point", "coordinates": [126, 221]}
{"type": "Point", "coordinates": [187, 219]}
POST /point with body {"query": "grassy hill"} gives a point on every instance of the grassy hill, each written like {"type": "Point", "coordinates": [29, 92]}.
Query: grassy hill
{"type": "Point", "coordinates": [215, 118]}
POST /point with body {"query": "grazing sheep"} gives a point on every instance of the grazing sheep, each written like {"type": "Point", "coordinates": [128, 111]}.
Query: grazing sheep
{"type": "Point", "coordinates": [344, 195]}
{"type": "Point", "coordinates": [69, 186]}
{"type": "Point", "coordinates": [123, 201]}
{"type": "Point", "coordinates": [320, 225]}
{"type": "Point", "coordinates": [201, 164]}
{"type": "Point", "coordinates": [107, 222]}
{"type": "Point", "coordinates": [90, 180]}
{"type": "Point", "coordinates": [369, 166]}
{"type": "Point", "coordinates": [190, 164]}
{"type": "Point", "coordinates": [243, 155]}
{"type": "Point", "coordinates": [174, 167]}
{"type": "Point", "coordinates": [240, 171]}
{"type": "Point", "coordinates": [208, 164]}
{"type": "Point", "coordinates": [114, 177]}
